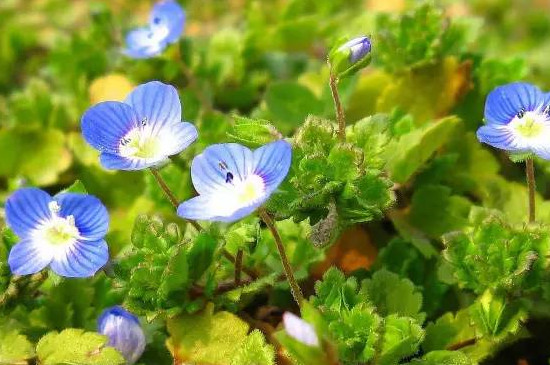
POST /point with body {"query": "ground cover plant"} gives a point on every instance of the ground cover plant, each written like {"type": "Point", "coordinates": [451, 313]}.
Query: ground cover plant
{"type": "Point", "coordinates": [244, 182]}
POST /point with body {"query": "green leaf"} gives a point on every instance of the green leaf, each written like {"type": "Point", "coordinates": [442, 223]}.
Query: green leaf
{"type": "Point", "coordinates": [393, 295]}
{"type": "Point", "coordinates": [76, 187]}
{"type": "Point", "coordinates": [252, 132]}
{"type": "Point", "coordinates": [206, 337]}
{"type": "Point", "coordinates": [448, 330]}
{"type": "Point", "coordinates": [497, 316]}
{"type": "Point", "coordinates": [444, 358]}
{"type": "Point", "coordinates": [14, 347]}
{"type": "Point", "coordinates": [254, 351]}
{"type": "Point", "coordinates": [402, 338]}
{"type": "Point", "coordinates": [409, 153]}
{"type": "Point", "coordinates": [74, 346]}
{"type": "Point", "coordinates": [201, 255]}
{"type": "Point", "coordinates": [290, 103]}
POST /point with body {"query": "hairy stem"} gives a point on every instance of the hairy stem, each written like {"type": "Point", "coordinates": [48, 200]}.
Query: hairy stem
{"type": "Point", "coordinates": [462, 344]}
{"type": "Point", "coordinates": [294, 287]}
{"type": "Point", "coordinates": [530, 172]}
{"type": "Point", "coordinates": [19, 284]}
{"type": "Point", "coordinates": [238, 266]}
{"type": "Point", "coordinates": [171, 197]}
{"type": "Point", "coordinates": [340, 117]}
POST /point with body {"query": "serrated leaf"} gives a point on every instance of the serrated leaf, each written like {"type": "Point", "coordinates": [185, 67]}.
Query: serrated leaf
{"type": "Point", "coordinates": [448, 330]}
{"type": "Point", "coordinates": [392, 295]}
{"type": "Point", "coordinates": [254, 351]}
{"type": "Point", "coordinates": [402, 338]}
{"type": "Point", "coordinates": [252, 132]}
{"type": "Point", "coordinates": [206, 337]}
{"type": "Point", "coordinates": [74, 346]}
{"type": "Point", "coordinates": [444, 358]}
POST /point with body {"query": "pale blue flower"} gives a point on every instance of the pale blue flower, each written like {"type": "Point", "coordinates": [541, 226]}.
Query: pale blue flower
{"type": "Point", "coordinates": [300, 330]}
{"type": "Point", "coordinates": [358, 48]}
{"type": "Point", "coordinates": [233, 181]}
{"type": "Point", "coordinates": [141, 132]}
{"type": "Point", "coordinates": [124, 332]}
{"type": "Point", "coordinates": [517, 119]}
{"type": "Point", "coordinates": [166, 23]}
{"type": "Point", "coordinates": [65, 232]}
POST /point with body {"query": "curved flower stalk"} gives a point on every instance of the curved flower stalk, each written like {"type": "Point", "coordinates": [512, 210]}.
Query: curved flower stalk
{"type": "Point", "coordinates": [517, 119]}
{"type": "Point", "coordinates": [166, 23]}
{"type": "Point", "coordinates": [124, 332]}
{"type": "Point", "coordinates": [234, 181]}
{"type": "Point", "coordinates": [141, 132]}
{"type": "Point", "coordinates": [65, 232]}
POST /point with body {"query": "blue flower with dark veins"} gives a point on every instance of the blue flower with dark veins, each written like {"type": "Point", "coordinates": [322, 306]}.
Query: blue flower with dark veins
{"type": "Point", "coordinates": [141, 132]}
{"type": "Point", "coordinates": [65, 232]}
{"type": "Point", "coordinates": [234, 181]}
{"type": "Point", "coordinates": [124, 332]}
{"type": "Point", "coordinates": [166, 23]}
{"type": "Point", "coordinates": [517, 117]}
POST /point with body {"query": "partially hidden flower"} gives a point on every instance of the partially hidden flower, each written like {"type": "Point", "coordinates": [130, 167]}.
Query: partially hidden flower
{"type": "Point", "coordinates": [517, 117]}
{"type": "Point", "coordinates": [233, 181]}
{"type": "Point", "coordinates": [124, 332]}
{"type": "Point", "coordinates": [300, 330]}
{"type": "Point", "coordinates": [65, 232]}
{"type": "Point", "coordinates": [141, 132]}
{"type": "Point", "coordinates": [350, 56]}
{"type": "Point", "coordinates": [166, 23]}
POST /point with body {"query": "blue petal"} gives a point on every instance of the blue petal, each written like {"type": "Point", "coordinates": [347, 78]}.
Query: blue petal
{"type": "Point", "coordinates": [104, 125]}
{"type": "Point", "coordinates": [145, 42]}
{"type": "Point", "coordinates": [81, 259]}
{"type": "Point", "coordinates": [26, 209]}
{"type": "Point", "coordinates": [157, 104]}
{"type": "Point", "coordinates": [178, 137]}
{"type": "Point", "coordinates": [29, 257]}
{"type": "Point", "coordinates": [91, 216]}
{"type": "Point", "coordinates": [170, 15]}
{"type": "Point", "coordinates": [116, 162]}
{"type": "Point", "coordinates": [272, 163]}
{"type": "Point", "coordinates": [212, 208]}
{"type": "Point", "coordinates": [499, 137]}
{"type": "Point", "coordinates": [124, 332]}
{"type": "Point", "coordinates": [505, 102]}
{"type": "Point", "coordinates": [210, 169]}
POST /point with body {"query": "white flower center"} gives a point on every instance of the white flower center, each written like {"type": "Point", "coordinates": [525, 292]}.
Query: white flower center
{"type": "Point", "coordinates": [530, 124]}
{"type": "Point", "coordinates": [58, 231]}
{"type": "Point", "coordinates": [140, 143]}
{"type": "Point", "coordinates": [252, 188]}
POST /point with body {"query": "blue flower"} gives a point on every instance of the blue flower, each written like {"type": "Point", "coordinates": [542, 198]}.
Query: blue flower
{"type": "Point", "coordinates": [300, 330]}
{"type": "Point", "coordinates": [358, 48]}
{"type": "Point", "coordinates": [233, 181]}
{"type": "Point", "coordinates": [165, 26]}
{"type": "Point", "coordinates": [141, 132]}
{"type": "Point", "coordinates": [124, 332]}
{"type": "Point", "coordinates": [517, 119]}
{"type": "Point", "coordinates": [65, 232]}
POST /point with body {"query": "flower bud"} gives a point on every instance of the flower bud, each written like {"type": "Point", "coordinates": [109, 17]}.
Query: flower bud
{"type": "Point", "coordinates": [124, 332]}
{"type": "Point", "coordinates": [350, 56]}
{"type": "Point", "coordinates": [300, 330]}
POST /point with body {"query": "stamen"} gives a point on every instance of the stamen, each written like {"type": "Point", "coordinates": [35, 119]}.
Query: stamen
{"type": "Point", "coordinates": [54, 207]}
{"type": "Point", "coordinates": [521, 113]}
{"type": "Point", "coordinates": [547, 110]}
{"type": "Point", "coordinates": [229, 178]}
{"type": "Point", "coordinates": [144, 122]}
{"type": "Point", "coordinates": [124, 141]}
{"type": "Point", "coordinates": [222, 165]}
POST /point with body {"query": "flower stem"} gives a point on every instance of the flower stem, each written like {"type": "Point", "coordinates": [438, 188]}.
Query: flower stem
{"type": "Point", "coordinates": [19, 284]}
{"type": "Point", "coordinates": [530, 172]}
{"type": "Point", "coordinates": [294, 287]}
{"type": "Point", "coordinates": [171, 197]}
{"type": "Point", "coordinates": [238, 266]}
{"type": "Point", "coordinates": [340, 117]}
